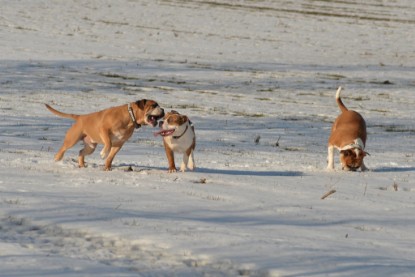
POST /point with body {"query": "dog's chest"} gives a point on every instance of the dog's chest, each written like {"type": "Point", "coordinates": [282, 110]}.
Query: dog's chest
{"type": "Point", "coordinates": [120, 135]}
{"type": "Point", "coordinates": [181, 144]}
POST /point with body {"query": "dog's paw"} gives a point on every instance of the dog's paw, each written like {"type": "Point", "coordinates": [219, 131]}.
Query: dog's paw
{"type": "Point", "coordinates": [172, 170]}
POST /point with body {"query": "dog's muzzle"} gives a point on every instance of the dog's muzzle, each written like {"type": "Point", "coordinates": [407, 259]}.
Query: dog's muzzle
{"type": "Point", "coordinates": [154, 118]}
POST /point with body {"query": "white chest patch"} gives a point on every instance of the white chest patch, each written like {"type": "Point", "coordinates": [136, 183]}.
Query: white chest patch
{"type": "Point", "coordinates": [183, 143]}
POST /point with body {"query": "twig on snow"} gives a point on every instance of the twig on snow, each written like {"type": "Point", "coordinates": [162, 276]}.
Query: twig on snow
{"type": "Point", "coordinates": [327, 194]}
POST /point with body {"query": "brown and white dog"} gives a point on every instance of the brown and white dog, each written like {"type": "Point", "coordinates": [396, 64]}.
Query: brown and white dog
{"type": "Point", "coordinates": [178, 136]}
{"type": "Point", "coordinates": [348, 135]}
{"type": "Point", "coordinates": [111, 127]}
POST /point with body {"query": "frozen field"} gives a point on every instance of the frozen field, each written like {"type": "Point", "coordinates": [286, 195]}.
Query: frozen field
{"type": "Point", "coordinates": [258, 80]}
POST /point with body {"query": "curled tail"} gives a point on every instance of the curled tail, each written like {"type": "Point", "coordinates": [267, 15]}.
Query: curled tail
{"type": "Point", "coordinates": [61, 114]}
{"type": "Point", "coordinates": [339, 100]}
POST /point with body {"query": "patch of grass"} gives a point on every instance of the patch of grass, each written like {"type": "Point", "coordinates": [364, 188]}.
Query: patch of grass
{"type": "Point", "coordinates": [357, 98]}
{"type": "Point", "coordinates": [263, 99]}
{"type": "Point", "coordinates": [386, 82]}
{"type": "Point", "coordinates": [293, 149]}
{"type": "Point", "coordinates": [331, 76]}
{"type": "Point", "coordinates": [385, 95]}
{"type": "Point", "coordinates": [245, 114]}
{"type": "Point", "coordinates": [186, 106]}
{"type": "Point", "coordinates": [13, 201]}
{"type": "Point", "coordinates": [266, 90]}
{"type": "Point", "coordinates": [208, 92]}
{"type": "Point", "coordinates": [114, 75]}
{"type": "Point", "coordinates": [379, 110]}
{"type": "Point", "coordinates": [398, 129]}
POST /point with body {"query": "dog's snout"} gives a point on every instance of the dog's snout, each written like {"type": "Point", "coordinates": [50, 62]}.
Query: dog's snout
{"type": "Point", "coordinates": [162, 112]}
{"type": "Point", "coordinates": [161, 122]}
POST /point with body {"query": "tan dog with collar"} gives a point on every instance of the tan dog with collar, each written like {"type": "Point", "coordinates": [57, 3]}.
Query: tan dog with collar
{"type": "Point", "coordinates": [348, 135]}
{"type": "Point", "coordinates": [178, 136]}
{"type": "Point", "coordinates": [111, 127]}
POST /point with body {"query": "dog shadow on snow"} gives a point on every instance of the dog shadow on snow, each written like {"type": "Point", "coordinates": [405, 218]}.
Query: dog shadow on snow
{"type": "Point", "coordinates": [247, 172]}
{"type": "Point", "coordinates": [230, 171]}
{"type": "Point", "coordinates": [393, 169]}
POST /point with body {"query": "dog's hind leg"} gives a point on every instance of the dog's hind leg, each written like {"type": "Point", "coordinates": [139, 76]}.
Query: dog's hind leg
{"type": "Point", "coordinates": [88, 149]}
{"type": "Point", "coordinates": [73, 135]}
{"type": "Point", "coordinates": [187, 160]}
{"type": "Point", "coordinates": [191, 164]}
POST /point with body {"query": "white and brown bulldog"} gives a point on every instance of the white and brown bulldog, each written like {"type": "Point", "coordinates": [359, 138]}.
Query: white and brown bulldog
{"type": "Point", "coordinates": [178, 136]}
{"type": "Point", "coordinates": [348, 135]}
{"type": "Point", "coordinates": [111, 127]}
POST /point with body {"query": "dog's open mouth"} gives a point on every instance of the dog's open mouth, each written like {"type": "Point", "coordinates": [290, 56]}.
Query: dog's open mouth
{"type": "Point", "coordinates": [164, 133]}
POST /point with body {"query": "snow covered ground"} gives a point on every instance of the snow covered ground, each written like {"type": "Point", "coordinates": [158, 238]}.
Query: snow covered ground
{"type": "Point", "coordinates": [258, 79]}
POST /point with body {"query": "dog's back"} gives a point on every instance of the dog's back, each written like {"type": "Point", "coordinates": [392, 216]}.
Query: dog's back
{"type": "Point", "coordinates": [348, 125]}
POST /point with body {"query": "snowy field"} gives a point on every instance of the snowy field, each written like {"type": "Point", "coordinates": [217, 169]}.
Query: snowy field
{"type": "Point", "coordinates": [258, 80]}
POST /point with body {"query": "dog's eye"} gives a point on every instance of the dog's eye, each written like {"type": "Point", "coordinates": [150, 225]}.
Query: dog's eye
{"type": "Point", "coordinates": [155, 105]}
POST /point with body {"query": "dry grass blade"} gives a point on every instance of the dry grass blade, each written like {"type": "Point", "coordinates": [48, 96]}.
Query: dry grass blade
{"type": "Point", "coordinates": [327, 194]}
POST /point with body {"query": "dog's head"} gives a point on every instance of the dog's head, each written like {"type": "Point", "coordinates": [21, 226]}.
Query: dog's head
{"type": "Point", "coordinates": [151, 110]}
{"type": "Point", "coordinates": [352, 159]}
{"type": "Point", "coordinates": [172, 122]}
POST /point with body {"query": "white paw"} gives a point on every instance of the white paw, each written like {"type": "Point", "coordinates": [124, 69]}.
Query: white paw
{"type": "Point", "coordinates": [330, 168]}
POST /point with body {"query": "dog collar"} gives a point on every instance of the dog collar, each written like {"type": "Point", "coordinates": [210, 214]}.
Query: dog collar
{"type": "Point", "coordinates": [185, 130]}
{"type": "Point", "coordinates": [357, 143]}
{"type": "Point", "coordinates": [132, 116]}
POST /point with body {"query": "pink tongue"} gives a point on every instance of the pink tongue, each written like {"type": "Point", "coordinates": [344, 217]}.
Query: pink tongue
{"type": "Point", "coordinates": [163, 132]}
{"type": "Point", "coordinates": [158, 133]}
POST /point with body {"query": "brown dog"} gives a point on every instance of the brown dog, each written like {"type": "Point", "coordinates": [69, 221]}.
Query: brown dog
{"type": "Point", "coordinates": [111, 127]}
{"type": "Point", "coordinates": [348, 135]}
{"type": "Point", "coordinates": [178, 136]}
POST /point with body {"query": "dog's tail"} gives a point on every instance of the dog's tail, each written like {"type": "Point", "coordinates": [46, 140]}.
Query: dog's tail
{"type": "Point", "coordinates": [61, 114]}
{"type": "Point", "coordinates": [339, 100]}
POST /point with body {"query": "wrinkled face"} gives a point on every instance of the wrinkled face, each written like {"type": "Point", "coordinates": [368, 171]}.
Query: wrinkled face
{"type": "Point", "coordinates": [152, 111]}
{"type": "Point", "coordinates": [352, 159]}
{"type": "Point", "coordinates": [173, 121]}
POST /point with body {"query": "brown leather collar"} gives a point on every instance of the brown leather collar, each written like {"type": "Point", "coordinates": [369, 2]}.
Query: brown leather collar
{"type": "Point", "coordinates": [132, 116]}
{"type": "Point", "coordinates": [185, 130]}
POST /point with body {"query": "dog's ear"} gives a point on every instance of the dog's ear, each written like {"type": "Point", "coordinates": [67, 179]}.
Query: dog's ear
{"type": "Point", "coordinates": [184, 118]}
{"type": "Point", "coordinates": [174, 112]}
{"type": "Point", "coordinates": [141, 103]}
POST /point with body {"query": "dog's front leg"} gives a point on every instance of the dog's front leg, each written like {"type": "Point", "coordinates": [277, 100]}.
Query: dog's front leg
{"type": "Point", "coordinates": [330, 157]}
{"type": "Point", "coordinates": [191, 164]}
{"type": "Point", "coordinates": [187, 161]}
{"type": "Point", "coordinates": [170, 158]}
{"type": "Point", "coordinates": [111, 155]}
